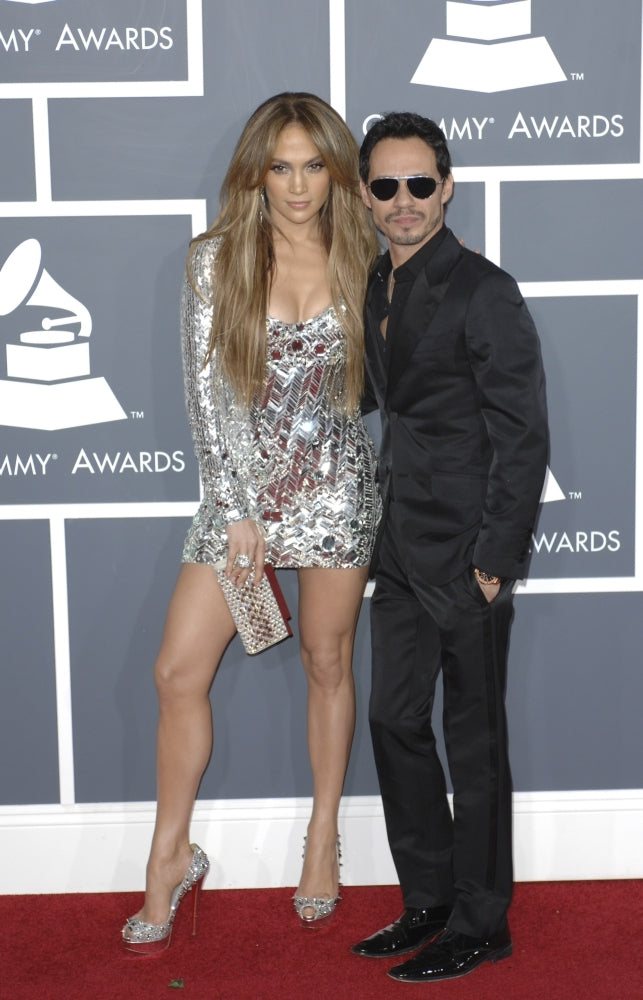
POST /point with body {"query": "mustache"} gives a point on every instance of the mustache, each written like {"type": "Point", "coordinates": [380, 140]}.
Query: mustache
{"type": "Point", "coordinates": [403, 213]}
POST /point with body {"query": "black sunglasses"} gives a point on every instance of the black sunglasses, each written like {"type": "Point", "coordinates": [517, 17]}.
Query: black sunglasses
{"type": "Point", "coordinates": [385, 188]}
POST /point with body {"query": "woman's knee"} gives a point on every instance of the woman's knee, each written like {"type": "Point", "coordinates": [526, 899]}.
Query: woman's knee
{"type": "Point", "coordinates": [325, 665]}
{"type": "Point", "coordinates": [176, 678]}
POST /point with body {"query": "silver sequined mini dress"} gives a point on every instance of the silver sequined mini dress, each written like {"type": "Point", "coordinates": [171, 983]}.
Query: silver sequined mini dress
{"type": "Point", "coordinates": [302, 469]}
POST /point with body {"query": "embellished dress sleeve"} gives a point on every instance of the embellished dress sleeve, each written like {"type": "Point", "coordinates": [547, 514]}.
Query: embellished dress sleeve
{"type": "Point", "coordinates": [220, 425]}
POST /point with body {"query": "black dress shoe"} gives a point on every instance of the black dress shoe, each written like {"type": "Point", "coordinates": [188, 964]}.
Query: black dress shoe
{"type": "Point", "coordinates": [407, 933]}
{"type": "Point", "coordinates": [452, 954]}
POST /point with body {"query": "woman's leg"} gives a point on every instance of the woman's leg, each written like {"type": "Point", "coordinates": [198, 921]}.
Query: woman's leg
{"type": "Point", "coordinates": [198, 627]}
{"type": "Point", "coordinates": [329, 605]}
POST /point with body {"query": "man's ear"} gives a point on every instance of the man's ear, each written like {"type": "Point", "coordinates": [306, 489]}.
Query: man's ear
{"type": "Point", "coordinates": [365, 193]}
{"type": "Point", "coordinates": [447, 189]}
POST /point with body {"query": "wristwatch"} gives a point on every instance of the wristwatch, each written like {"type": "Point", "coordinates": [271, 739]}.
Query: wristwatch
{"type": "Point", "coordinates": [485, 578]}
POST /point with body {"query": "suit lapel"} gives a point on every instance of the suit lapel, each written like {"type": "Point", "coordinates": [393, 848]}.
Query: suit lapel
{"type": "Point", "coordinates": [374, 354]}
{"type": "Point", "coordinates": [419, 312]}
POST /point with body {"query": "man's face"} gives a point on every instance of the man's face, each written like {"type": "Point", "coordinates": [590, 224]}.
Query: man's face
{"type": "Point", "coordinates": [406, 222]}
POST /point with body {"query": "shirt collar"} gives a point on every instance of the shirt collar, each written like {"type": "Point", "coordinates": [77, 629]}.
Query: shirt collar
{"type": "Point", "coordinates": [410, 269]}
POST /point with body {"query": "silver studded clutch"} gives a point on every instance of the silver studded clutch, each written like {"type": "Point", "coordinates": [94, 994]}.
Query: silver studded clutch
{"type": "Point", "coordinates": [260, 612]}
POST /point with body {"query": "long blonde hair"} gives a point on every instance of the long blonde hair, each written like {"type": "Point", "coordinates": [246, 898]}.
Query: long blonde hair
{"type": "Point", "coordinates": [245, 260]}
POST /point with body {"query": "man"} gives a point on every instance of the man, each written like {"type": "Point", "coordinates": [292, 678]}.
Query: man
{"type": "Point", "coordinates": [453, 362]}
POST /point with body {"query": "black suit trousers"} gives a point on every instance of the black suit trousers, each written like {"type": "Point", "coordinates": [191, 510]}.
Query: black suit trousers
{"type": "Point", "coordinates": [419, 629]}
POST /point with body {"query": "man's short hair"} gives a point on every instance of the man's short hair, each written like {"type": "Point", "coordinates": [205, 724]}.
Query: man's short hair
{"type": "Point", "coordinates": [405, 125]}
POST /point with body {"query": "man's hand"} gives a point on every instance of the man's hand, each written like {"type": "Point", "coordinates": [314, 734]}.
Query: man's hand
{"type": "Point", "coordinates": [490, 590]}
{"type": "Point", "coordinates": [489, 585]}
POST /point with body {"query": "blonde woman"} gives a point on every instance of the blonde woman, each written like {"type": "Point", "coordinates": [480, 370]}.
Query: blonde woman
{"type": "Point", "coordinates": [273, 352]}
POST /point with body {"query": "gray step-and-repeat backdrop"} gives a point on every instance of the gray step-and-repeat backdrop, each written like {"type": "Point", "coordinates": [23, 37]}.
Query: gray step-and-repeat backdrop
{"type": "Point", "coordinates": [117, 121]}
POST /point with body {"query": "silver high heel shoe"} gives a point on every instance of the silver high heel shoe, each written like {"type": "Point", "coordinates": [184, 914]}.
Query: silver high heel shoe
{"type": "Point", "coordinates": [322, 907]}
{"type": "Point", "coordinates": [148, 939]}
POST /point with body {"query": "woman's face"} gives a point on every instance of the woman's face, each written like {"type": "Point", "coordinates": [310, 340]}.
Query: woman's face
{"type": "Point", "coordinates": [297, 183]}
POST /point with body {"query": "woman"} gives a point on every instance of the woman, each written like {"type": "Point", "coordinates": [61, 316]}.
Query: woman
{"type": "Point", "coordinates": [272, 345]}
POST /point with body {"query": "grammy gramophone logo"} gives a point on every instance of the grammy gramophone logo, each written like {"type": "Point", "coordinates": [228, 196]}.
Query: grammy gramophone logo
{"type": "Point", "coordinates": [49, 385]}
{"type": "Point", "coordinates": [489, 48]}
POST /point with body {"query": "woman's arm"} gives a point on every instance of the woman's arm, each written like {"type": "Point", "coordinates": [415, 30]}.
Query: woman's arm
{"type": "Point", "coordinates": [219, 424]}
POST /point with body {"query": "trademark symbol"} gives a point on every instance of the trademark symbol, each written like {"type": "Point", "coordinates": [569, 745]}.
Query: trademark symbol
{"type": "Point", "coordinates": [577, 76]}
{"type": "Point", "coordinates": [38, 31]}
{"type": "Point", "coordinates": [54, 457]}
{"type": "Point", "coordinates": [575, 494]}
{"type": "Point", "coordinates": [492, 121]}
{"type": "Point", "coordinates": [137, 414]}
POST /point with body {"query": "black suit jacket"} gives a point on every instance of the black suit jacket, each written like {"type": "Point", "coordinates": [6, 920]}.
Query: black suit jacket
{"type": "Point", "coordinates": [461, 394]}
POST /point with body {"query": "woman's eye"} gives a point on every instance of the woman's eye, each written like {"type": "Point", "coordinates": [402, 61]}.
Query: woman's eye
{"type": "Point", "coordinates": [315, 167]}
{"type": "Point", "coordinates": [278, 168]}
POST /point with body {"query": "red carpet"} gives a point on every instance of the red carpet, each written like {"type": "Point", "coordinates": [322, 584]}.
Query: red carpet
{"type": "Point", "coordinates": [572, 941]}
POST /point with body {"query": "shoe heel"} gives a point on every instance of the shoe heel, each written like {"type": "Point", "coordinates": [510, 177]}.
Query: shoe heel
{"type": "Point", "coordinates": [195, 903]}
{"type": "Point", "coordinates": [503, 953]}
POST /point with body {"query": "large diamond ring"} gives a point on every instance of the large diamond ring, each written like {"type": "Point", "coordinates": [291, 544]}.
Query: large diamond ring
{"type": "Point", "coordinates": [242, 560]}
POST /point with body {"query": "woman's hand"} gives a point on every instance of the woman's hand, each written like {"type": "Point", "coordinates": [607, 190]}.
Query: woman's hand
{"type": "Point", "coordinates": [246, 548]}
